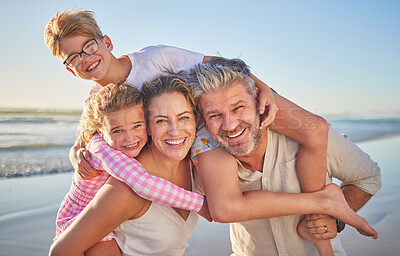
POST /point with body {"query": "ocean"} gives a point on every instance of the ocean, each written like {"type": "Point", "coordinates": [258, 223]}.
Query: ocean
{"type": "Point", "coordinates": [37, 142]}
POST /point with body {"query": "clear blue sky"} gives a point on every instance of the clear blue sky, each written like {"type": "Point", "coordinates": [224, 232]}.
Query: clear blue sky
{"type": "Point", "coordinates": [331, 56]}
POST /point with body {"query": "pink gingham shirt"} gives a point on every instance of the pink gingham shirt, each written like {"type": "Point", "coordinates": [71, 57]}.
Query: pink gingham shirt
{"type": "Point", "coordinates": [128, 170]}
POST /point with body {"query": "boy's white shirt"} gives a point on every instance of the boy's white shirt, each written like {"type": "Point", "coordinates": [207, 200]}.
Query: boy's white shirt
{"type": "Point", "coordinates": [153, 61]}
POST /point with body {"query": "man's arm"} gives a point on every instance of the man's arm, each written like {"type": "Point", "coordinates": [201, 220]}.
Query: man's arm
{"type": "Point", "coordinates": [354, 168]}
{"type": "Point", "coordinates": [355, 197]}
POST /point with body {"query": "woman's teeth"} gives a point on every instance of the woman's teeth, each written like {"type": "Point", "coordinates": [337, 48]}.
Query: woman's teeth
{"type": "Point", "coordinates": [175, 142]}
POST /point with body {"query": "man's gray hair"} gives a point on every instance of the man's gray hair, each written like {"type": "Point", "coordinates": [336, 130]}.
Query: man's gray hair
{"type": "Point", "coordinates": [219, 73]}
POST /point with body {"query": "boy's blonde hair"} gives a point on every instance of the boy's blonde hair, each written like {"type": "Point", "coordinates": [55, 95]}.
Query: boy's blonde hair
{"type": "Point", "coordinates": [67, 23]}
{"type": "Point", "coordinates": [109, 99]}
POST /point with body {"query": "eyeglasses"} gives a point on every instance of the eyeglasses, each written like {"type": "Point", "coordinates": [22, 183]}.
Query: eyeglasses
{"type": "Point", "coordinates": [89, 48]}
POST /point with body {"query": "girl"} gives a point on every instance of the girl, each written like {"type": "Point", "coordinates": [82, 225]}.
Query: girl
{"type": "Point", "coordinates": [116, 114]}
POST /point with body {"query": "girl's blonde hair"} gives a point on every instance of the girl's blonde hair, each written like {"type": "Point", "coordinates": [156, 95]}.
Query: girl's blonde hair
{"type": "Point", "coordinates": [67, 23]}
{"type": "Point", "coordinates": [109, 99]}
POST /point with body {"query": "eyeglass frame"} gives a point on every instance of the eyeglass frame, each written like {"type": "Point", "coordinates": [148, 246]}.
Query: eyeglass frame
{"type": "Point", "coordinates": [82, 51]}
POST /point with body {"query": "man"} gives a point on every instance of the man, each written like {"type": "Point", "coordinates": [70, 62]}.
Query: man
{"type": "Point", "coordinates": [266, 160]}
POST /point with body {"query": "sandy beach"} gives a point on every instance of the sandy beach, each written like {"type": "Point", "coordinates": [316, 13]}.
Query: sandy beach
{"type": "Point", "coordinates": [28, 208]}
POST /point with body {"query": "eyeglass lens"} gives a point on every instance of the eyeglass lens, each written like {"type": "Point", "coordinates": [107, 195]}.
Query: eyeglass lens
{"type": "Point", "coordinates": [89, 48]}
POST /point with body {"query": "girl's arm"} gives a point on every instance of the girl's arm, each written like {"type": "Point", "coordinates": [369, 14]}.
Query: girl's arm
{"type": "Point", "coordinates": [131, 172]}
{"type": "Point", "coordinates": [113, 204]}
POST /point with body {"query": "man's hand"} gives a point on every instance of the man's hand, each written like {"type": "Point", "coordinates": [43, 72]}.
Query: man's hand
{"type": "Point", "coordinates": [323, 246]}
{"type": "Point", "coordinates": [321, 226]}
{"type": "Point", "coordinates": [80, 158]}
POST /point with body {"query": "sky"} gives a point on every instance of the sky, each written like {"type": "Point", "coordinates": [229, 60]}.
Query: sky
{"type": "Point", "coordinates": [330, 57]}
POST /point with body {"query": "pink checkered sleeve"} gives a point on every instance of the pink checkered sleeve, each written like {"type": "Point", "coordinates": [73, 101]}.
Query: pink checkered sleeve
{"type": "Point", "coordinates": [131, 172]}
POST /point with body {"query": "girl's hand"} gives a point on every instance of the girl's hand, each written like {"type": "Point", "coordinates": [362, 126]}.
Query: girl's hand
{"type": "Point", "coordinates": [80, 158]}
{"type": "Point", "coordinates": [205, 212]}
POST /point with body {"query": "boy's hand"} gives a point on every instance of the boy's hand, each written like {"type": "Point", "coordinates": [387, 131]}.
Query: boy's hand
{"type": "Point", "coordinates": [266, 101]}
{"type": "Point", "coordinates": [80, 158]}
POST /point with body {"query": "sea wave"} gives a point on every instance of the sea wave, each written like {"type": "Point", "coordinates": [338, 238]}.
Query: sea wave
{"type": "Point", "coordinates": [367, 129]}
{"type": "Point", "coordinates": [34, 146]}
{"type": "Point", "coordinates": [8, 175]}
{"type": "Point", "coordinates": [31, 149]}
{"type": "Point", "coordinates": [37, 120]}
{"type": "Point", "coordinates": [39, 111]}
{"type": "Point", "coordinates": [30, 121]}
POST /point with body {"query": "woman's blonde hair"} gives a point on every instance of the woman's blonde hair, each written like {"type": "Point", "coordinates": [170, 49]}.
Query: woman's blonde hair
{"type": "Point", "coordinates": [166, 84]}
{"type": "Point", "coordinates": [67, 23]}
{"type": "Point", "coordinates": [109, 99]}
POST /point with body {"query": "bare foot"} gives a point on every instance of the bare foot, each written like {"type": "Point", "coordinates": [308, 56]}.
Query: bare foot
{"type": "Point", "coordinates": [339, 208]}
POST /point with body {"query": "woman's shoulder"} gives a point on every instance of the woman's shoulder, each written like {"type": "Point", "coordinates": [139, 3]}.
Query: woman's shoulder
{"type": "Point", "coordinates": [132, 204]}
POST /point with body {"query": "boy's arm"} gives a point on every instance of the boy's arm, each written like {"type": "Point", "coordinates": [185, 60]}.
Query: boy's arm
{"type": "Point", "coordinates": [311, 132]}
{"type": "Point", "coordinates": [131, 172]}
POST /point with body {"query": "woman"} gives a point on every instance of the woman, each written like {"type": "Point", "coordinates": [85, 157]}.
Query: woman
{"type": "Point", "coordinates": [170, 112]}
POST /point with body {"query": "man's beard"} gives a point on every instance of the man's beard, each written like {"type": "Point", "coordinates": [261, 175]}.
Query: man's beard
{"type": "Point", "coordinates": [245, 145]}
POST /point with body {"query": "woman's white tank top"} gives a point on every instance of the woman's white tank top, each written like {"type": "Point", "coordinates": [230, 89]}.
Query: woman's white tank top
{"type": "Point", "coordinates": [160, 231]}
